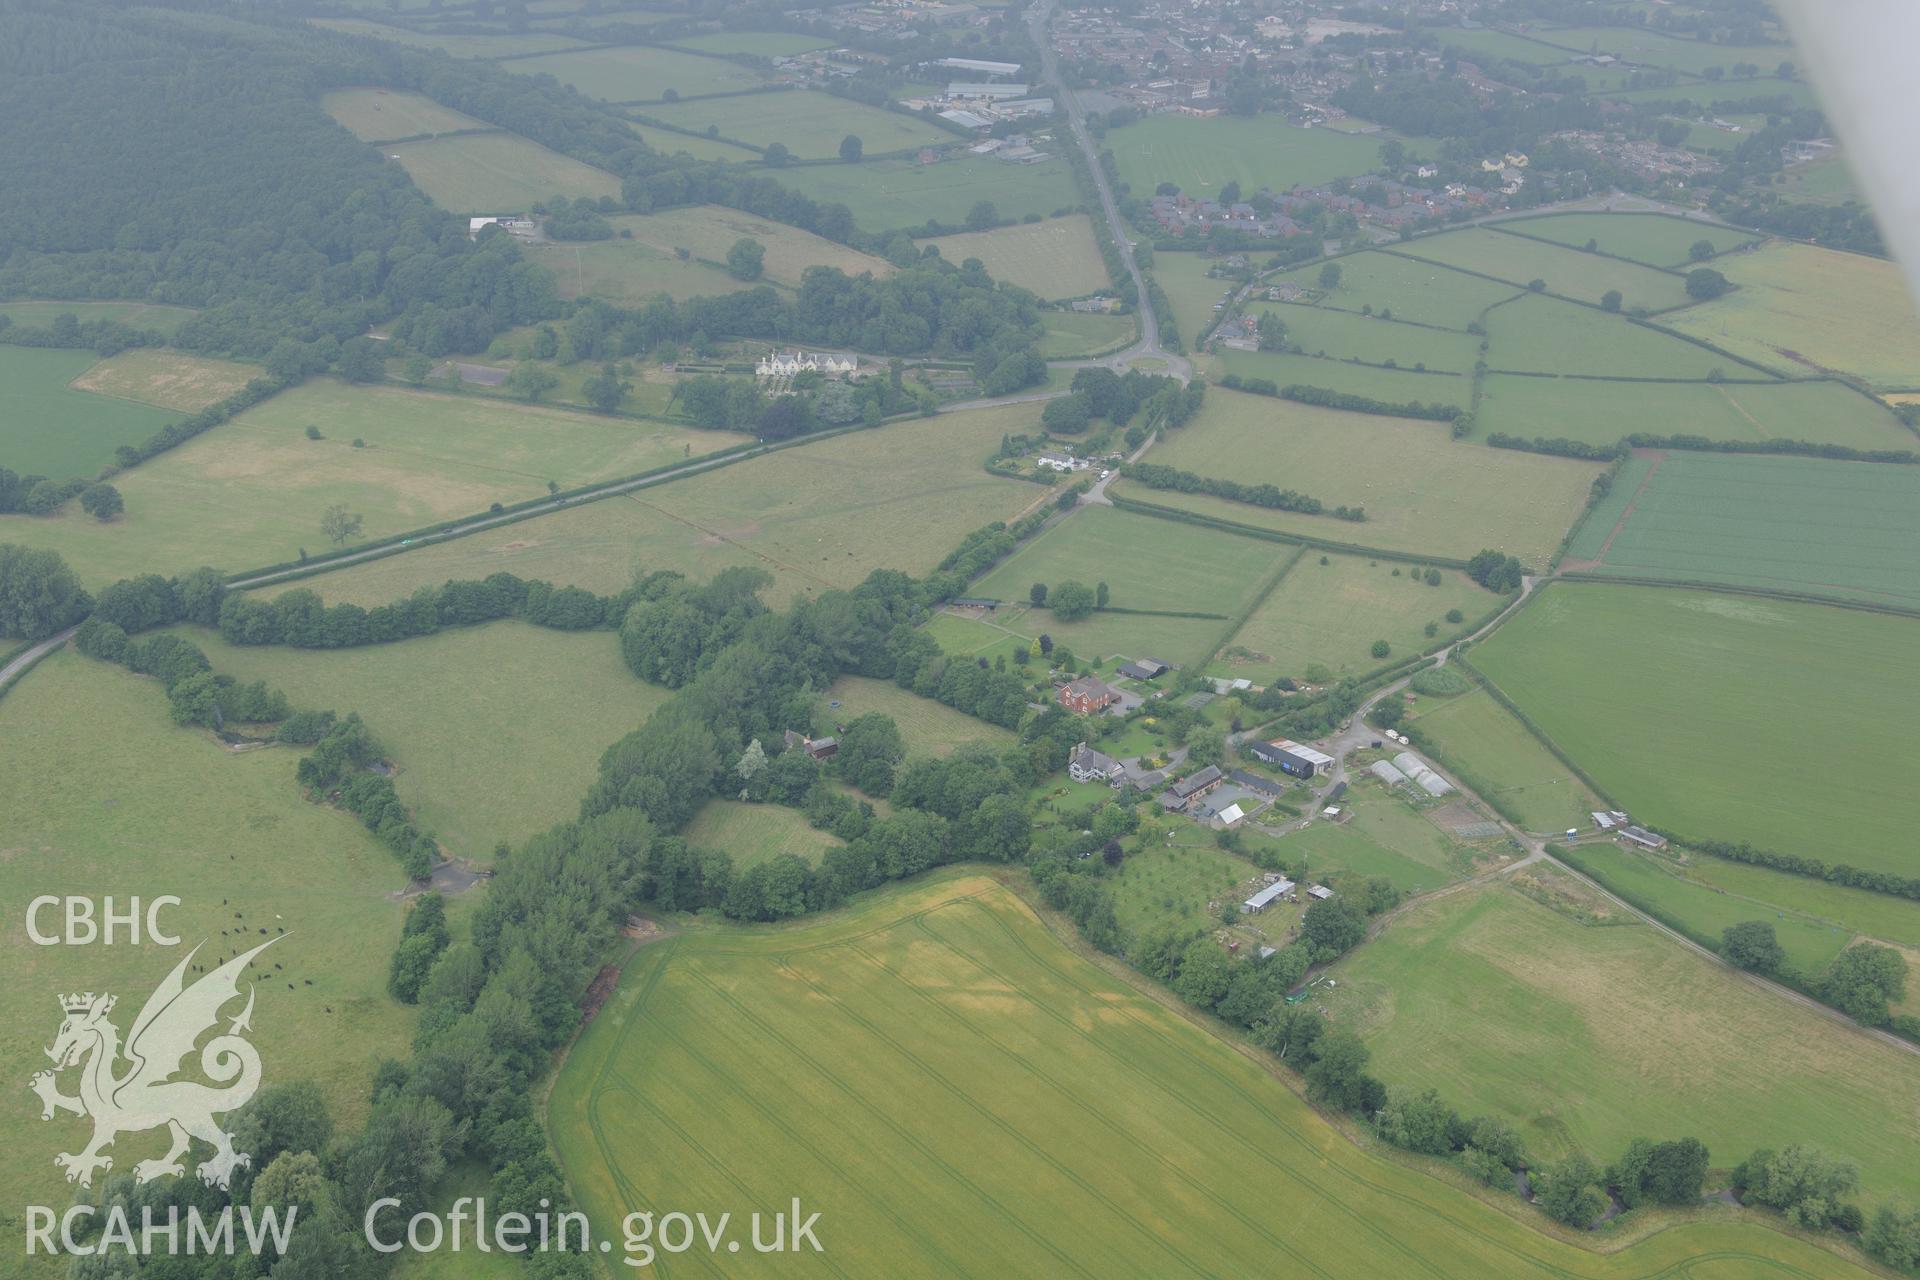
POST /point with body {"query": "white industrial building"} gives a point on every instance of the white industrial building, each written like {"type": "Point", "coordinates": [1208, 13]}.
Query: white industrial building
{"type": "Point", "coordinates": [964, 90]}
{"type": "Point", "coordinates": [979, 67]}
{"type": "Point", "coordinates": [1266, 897]}
{"type": "Point", "coordinates": [1423, 777]}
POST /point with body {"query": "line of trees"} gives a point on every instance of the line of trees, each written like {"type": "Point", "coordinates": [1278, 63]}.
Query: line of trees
{"type": "Point", "coordinates": [39, 594]}
{"type": "Point", "coordinates": [1155, 476]}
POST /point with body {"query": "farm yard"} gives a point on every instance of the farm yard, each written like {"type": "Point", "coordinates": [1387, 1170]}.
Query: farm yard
{"type": "Point", "coordinates": [1424, 492]}
{"type": "Point", "coordinates": [885, 194]}
{"type": "Point", "coordinates": [1546, 335]}
{"type": "Point", "coordinates": [1150, 564]}
{"type": "Point", "coordinates": [252, 491]}
{"type": "Point", "coordinates": [1677, 701]}
{"type": "Point", "coordinates": [928, 728]}
{"type": "Point", "coordinates": [1477, 739]}
{"type": "Point", "coordinates": [1820, 412]}
{"type": "Point", "coordinates": [168, 379]}
{"type": "Point", "coordinates": [755, 833]}
{"type": "Point", "coordinates": [47, 427]}
{"type": "Point", "coordinates": [938, 1033]}
{"type": "Point", "coordinates": [152, 809]}
{"type": "Point", "coordinates": [808, 124]}
{"type": "Point", "coordinates": [1570, 273]}
{"type": "Point", "coordinates": [462, 760]}
{"type": "Point", "coordinates": [638, 73]}
{"type": "Point", "coordinates": [384, 115]}
{"type": "Point", "coordinates": [1057, 258]}
{"type": "Point", "coordinates": [1201, 156]}
{"type": "Point", "coordinates": [488, 173]}
{"type": "Point", "coordinates": [1850, 530]}
{"type": "Point", "coordinates": [1653, 239]}
{"type": "Point", "coordinates": [1330, 614]}
{"type": "Point", "coordinates": [1802, 309]}
{"type": "Point", "coordinates": [1586, 1034]}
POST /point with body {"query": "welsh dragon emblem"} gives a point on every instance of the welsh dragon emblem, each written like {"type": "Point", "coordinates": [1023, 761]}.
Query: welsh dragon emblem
{"type": "Point", "coordinates": [145, 1093]}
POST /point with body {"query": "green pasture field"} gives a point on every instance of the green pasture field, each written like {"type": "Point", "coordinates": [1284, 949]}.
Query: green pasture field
{"type": "Point", "coordinates": [1332, 613]}
{"type": "Point", "coordinates": [765, 44]}
{"type": "Point", "coordinates": [627, 273]}
{"type": "Point", "coordinates": [708, 231]}
{"type": "Point", "coordinates": [1399, 386]}
{"type": "Point", "coordinates": [757, 833]}
{"type": "Point", "coordinates": [1604, 412]}
{"type": "Point", "coordinates": [638, 73]}
{"type": "Point", "coordinates": [488, 173]}
{"type": "Point", "coordinates": [1654, 49]}
{"type": "Point", "coordinates": [1546, 335]}
{"type": "Point", "coordinates": [928, 728]}
{"type": "Point", "coordinates": [960, 1094]}
{"type": "Point", "coordinates": [821, 516]}
{"type": "Point", "coordinates": [459, 46]}
{"type": "Point", "coordinates": [1488, 43]}
{"type": "Point", "coordinates": [1201, 156]}
{"type": "Point", "coordinates": [1874, 915]}
{"type": "Point", "coordinates": [1827, 180]}
{"type": "Point", "coordinates": [1850, 530]}
{"type": "Point", "coordinates": [1416, 291]}
{"type": "Point", "coordinates": [252, 491]}
{"type": "Point", "coordinates": [49, 428]}
{"type": "Point", "coordinates": [1652, 238]}
{"type": "Point", "coordinates": [1801, 309]}
{"type": "Point", "coordinates": [1071, 333]}
{"type": "Point", "coordinates": [1423, 491]}
{"type": "Point", "coordinates": [884, 194]}
{"type": "Point", "coordinates": [463, 760]}
{"type": "Point", "coordinates": [1163, 886]}
{"type": "Point", "coordinates": [1703, 94]}
{"type": "Point", "coordinates": [1149, 564]}
{"type": "Point", "coordinates": [1590, 537]}
{"type": "Point", "coordinates": [810, 124]}
{"type": "Point", "coordinates": [1568, 272]}
{"type": "Point", "coordinates": [141, 315]}
{"type": "Point", "coordinates": [167, 379]}
{"type": "Point", "coordinates": [667, 143]}
{"type": "Point", "coordinates": [1191, 291]}
{"type": "Point", "coordinates": [1345, 335]}
{"type": "Point", "coordinates": [374, 115]}
{"type": "Point", "coordinates": [1726, 717]}
{"type": "Point", "coordinates": [103, 794]}
{"type": "Point", "coordinates": [1057, 258]}
{"type": "Point", "coordinates": [1656, 886]}
{"type": "Point", "coordinates": [1587, 1036]}
{"type": "Point", "coordinates": [962, 636]}
{"type": "Point", "coordinates": [1475, 736]}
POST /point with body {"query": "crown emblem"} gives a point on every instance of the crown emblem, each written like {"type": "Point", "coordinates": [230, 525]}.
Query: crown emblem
{"type": "Point", "coordinates": [82, 1003]}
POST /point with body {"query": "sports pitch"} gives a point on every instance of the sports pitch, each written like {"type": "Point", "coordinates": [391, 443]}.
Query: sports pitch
{"type": "Point", "coordinates": [1057, 258]}
{"type": "Point", "coordinates": [1423, 491]}
{"type": "Point", "coordinates": [960, 1095]}
{"type": "Point", "coordinates": [1202, 156]}
{"type": "Point", "coordinates": [1850, 530]}
{"type": "Point", "coordinates": [1586, 1036]}
{"type": "Point", "coordinates": [463, 760]}
{"type": "Point", "coordinates": [1801, 309]}
{"type": "Point", "coordinates": [252, 491]}
{"type": "Point", "coordinates": [1698, 711]}
{"type": "Point", "coordinates": [149, 809]}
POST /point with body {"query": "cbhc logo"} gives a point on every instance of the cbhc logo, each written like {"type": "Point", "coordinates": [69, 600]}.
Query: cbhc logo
{"type": "Point", "coordinates": [80, 925]}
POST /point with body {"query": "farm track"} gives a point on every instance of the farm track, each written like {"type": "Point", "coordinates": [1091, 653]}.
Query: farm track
{"type": "Point", "coordinates": [22, 664]}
